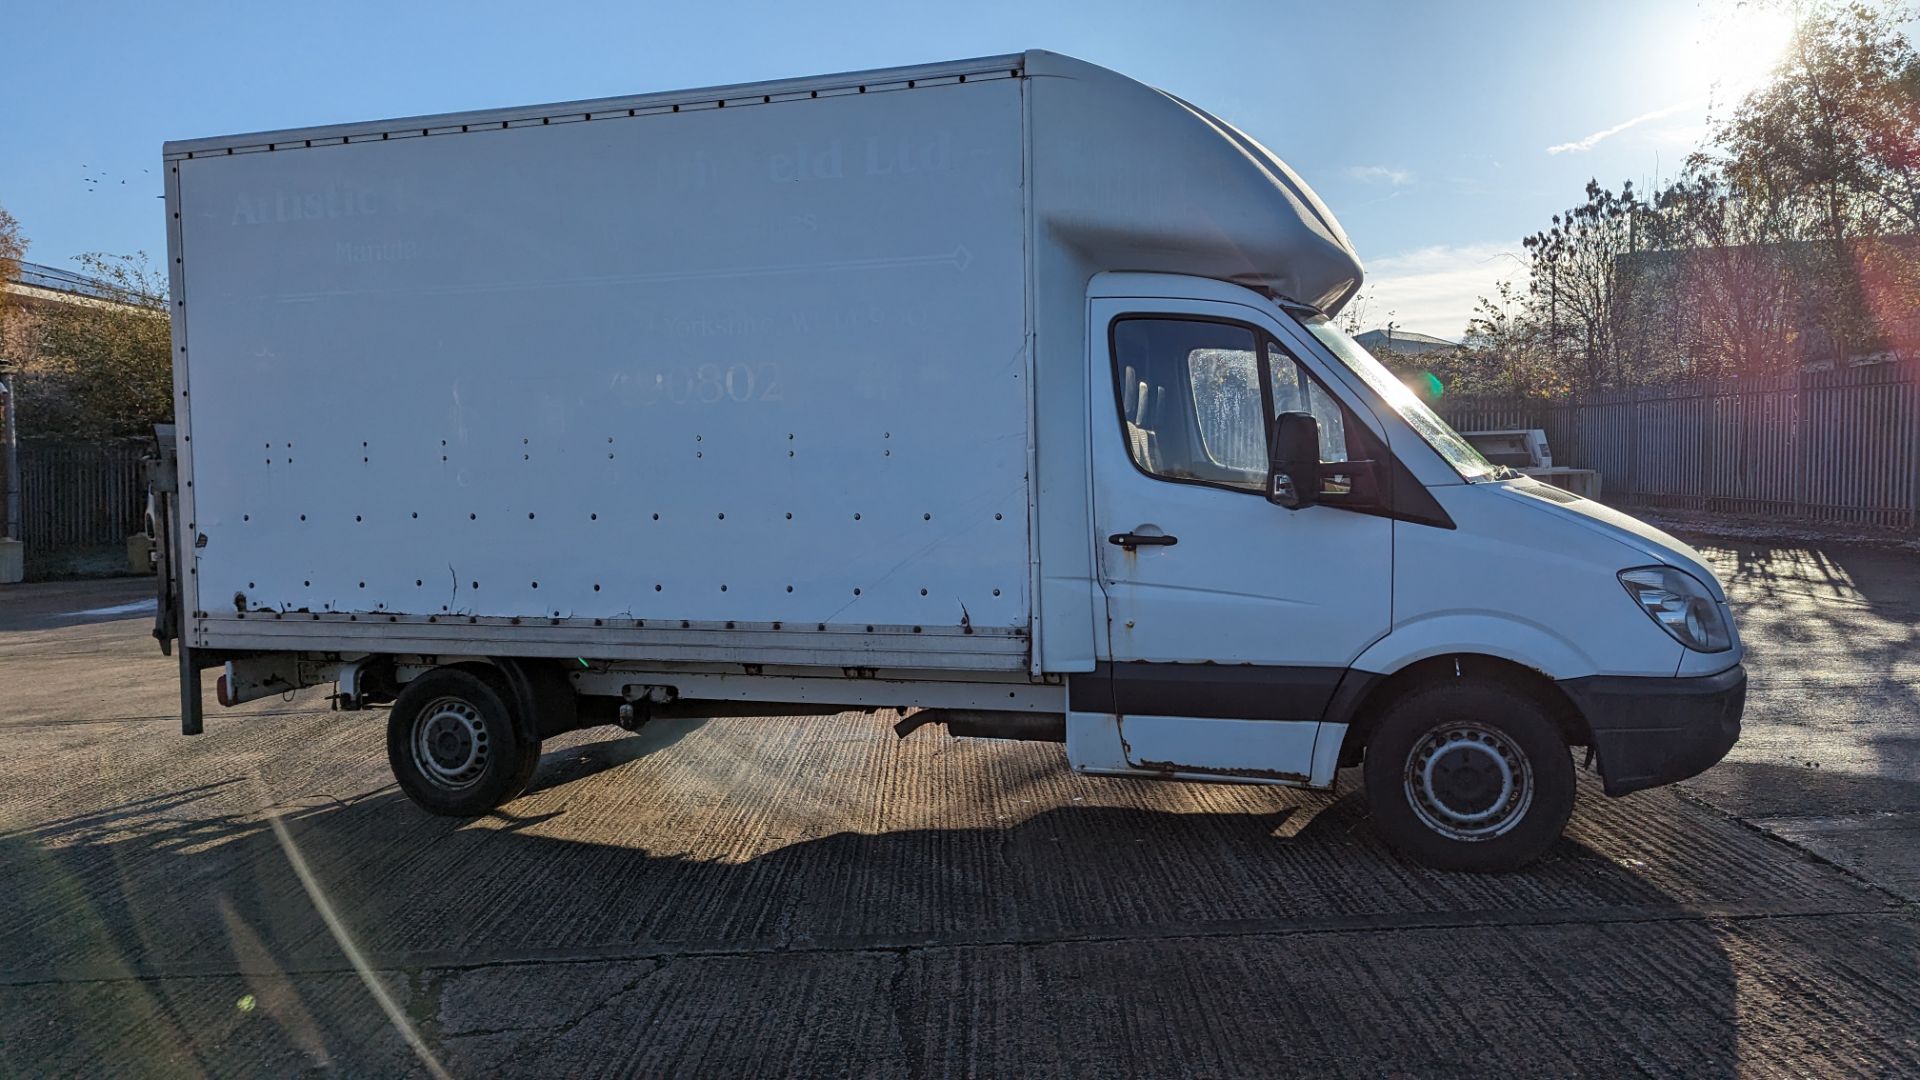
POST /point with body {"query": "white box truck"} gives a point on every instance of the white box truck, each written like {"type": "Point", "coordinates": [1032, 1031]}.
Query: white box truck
{"type": "Point", "coordinates": [1003, 389]}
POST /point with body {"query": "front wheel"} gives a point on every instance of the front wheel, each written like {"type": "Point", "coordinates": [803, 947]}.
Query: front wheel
{"type": "Point", "coordinates": [1469, 775]}
{"type": "Point", "coordinates": [453, 744]}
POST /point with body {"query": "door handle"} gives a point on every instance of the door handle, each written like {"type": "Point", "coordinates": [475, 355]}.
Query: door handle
{"type": "Point", "coordinates": [1133, 540]}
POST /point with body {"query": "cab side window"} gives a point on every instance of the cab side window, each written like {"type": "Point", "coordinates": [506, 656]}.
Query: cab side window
{"type": "Point", "coordinates": [1296, 391]}
{"type": "Point", "coordinates": [1191, 400]}
{"type": "Point", "coordinates": [1342, 438]}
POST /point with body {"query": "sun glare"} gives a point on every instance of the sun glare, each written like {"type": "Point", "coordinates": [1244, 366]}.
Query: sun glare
{"type": "Point", "coordinates": [1739, 50]}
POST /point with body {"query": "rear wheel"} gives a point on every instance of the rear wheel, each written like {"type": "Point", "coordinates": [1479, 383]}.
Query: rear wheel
{"type": "Point", "coordinates": [454, 745]}
{"type": "Point", "coordinates": [1469, 775]}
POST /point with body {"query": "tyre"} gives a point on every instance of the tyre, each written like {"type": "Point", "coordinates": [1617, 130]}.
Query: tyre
{"type": "Point", "coordinates": [454, 745]}
{"type": "Point", "coordinates": [1469, 775]}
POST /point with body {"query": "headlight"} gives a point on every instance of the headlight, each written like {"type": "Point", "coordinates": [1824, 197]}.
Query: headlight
{"type": "Point", "coordinates": [1681, 605]}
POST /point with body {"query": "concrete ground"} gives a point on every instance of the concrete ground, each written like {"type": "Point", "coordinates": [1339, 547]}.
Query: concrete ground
{"type": "Point", "coordinates": [813, 896]}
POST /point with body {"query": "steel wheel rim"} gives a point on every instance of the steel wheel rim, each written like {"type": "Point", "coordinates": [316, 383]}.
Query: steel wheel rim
{"type": "Point", "coordinates": [1468, 781]}
{"type": "Point", "coordinates": [450, 743]}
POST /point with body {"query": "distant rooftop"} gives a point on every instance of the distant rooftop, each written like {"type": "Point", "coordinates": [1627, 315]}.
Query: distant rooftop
{"type": "Point", "coordinates": [1403, 341]}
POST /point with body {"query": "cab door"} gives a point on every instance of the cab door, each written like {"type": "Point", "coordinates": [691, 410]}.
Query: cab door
{"type": "Point", "coordinates": [1230, 620]}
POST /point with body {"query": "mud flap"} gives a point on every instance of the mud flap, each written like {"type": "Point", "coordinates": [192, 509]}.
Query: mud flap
{"type": "Point", "coordinates": [191, 716]}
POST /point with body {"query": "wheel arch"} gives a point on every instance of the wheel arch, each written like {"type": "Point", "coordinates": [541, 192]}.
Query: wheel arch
{"type": "Point", "coordinates": [1363, 697]}
{"type": "Point", "coordinates": [535, 688]}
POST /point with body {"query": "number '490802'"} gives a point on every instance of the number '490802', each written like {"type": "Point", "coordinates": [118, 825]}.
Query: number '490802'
{"type": "Point", "coordinates": [711, 384]}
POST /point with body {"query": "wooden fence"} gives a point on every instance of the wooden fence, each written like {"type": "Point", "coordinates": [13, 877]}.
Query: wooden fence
{"type": "Point", "coordinates": [80, 494]}
{"type": "Point", "coordinates": [1837, 446]}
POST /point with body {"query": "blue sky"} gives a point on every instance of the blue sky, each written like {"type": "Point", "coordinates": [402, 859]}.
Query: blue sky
{"type": "Point", "coordinates": [1440, 134]}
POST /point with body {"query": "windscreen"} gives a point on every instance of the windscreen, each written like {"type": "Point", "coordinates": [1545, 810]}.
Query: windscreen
{"type": "Point", "coordinates": [1460, 454]}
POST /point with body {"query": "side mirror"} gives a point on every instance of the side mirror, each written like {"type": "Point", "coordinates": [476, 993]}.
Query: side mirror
{"type": "Point", "coordinates": [1294, 461]}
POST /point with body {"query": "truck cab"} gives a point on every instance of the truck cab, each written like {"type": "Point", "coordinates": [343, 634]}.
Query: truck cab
{"type": "Point", "coordinates": [1304, 568]}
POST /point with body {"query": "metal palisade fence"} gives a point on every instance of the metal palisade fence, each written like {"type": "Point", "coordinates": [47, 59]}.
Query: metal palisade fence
{"type": "Point", "coordinates": [1839, 446]}
{"type": "Point", "coordinates": [81, 494]}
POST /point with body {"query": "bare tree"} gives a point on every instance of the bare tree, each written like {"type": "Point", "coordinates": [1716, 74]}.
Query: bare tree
{"type": "Point", "coordinates": [1359, 311]}
{"type": "Point", "coordinates": [1506, 351]}
{"type": "Point", "coordinates": [1580, 279]}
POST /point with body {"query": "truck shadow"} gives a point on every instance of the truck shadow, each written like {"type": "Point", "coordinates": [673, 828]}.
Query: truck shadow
{"type": "Point", "coordinates": [576, 761]}
{"type": "Point", "coordinates": [1287, 935]}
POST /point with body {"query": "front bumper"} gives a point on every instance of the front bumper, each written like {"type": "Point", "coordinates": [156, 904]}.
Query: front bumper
{"type": "Point", "coordinates": [1653, 731]}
